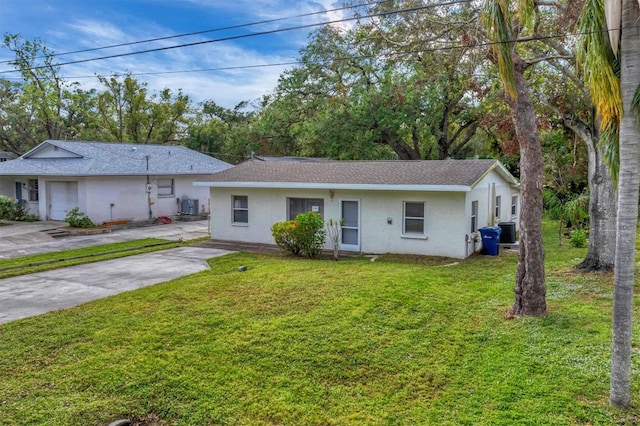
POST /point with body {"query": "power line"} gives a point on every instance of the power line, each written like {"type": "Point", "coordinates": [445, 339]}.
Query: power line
{"type": "Point", "coordinates": [232, 27]}
{"type": "Point", "coordinates": [261, 33]}
{"type": "Point", "coordinates": [342, 58]}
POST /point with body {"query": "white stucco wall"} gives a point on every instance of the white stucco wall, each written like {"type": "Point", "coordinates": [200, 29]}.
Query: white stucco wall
{"type": "Point", "coordinates": [130, 199]}
{"type": "Point", "coordinates": [127, 193]}
{"type": "Point", "coordinates": [444, 224]}
{"type": "Point", "coordinates": [8, 188]}
{"type": "Point", "coordinates": [447, 216]}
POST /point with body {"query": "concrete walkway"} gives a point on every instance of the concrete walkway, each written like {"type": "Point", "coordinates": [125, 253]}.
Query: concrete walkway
{"type": "Point", "coordinates": [41, 292]}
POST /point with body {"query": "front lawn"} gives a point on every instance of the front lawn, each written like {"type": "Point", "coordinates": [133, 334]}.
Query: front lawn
{"type": "Point", "coordinates": [304, 342]}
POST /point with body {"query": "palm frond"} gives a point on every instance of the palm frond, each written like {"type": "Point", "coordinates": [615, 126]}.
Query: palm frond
{"type": "Point", "coordinates": [526, 12]}
{"type": "Point", "coordinates": [497, 19]}
{"type": "Point", "coordinates": [635, 103]}
{"type": "Point", "coordinates": [598, 63]}
{"type": "Point", "coordinates": [609, 141]}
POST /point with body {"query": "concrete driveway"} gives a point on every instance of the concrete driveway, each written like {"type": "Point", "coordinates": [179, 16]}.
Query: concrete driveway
{"type": "Point", "coordinates": [25, 238]}
{"type": "Point", "coordinates": [35, 294]}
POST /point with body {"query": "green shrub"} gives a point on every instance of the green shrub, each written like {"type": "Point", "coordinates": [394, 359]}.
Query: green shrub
{"type": "Point", "coordinates": [310, 232]}
{"type": "Point", "coordinates": [7, 208]}
{"type": "Point", "coordinates": [12, 210]}
{"type": "Point", "coordinates": [284, 234]}
{"type": "Point", "coordinates": [77, 219]}
{"type": "Point", "coordinates": [579, 238]}
{"type": "Point", "coordinates": [303, 236]}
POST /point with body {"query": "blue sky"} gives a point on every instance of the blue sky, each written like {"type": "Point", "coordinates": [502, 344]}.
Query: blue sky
{"type": "Point", "coordinates": [68, 25]}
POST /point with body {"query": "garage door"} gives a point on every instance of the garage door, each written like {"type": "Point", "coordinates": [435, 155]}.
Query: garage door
{"type": "Point", "coordinates": [63, 197]}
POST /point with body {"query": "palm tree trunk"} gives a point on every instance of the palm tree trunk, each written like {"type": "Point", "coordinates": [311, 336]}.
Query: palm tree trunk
{"type": "Point", "coordinates": [628, 186]}
{"type": "Point", "coordinates": [602, 213]}
{"type": "Point", "coordinates": [530, 290]}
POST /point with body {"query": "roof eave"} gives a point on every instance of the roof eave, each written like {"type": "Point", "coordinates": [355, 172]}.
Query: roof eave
{"type": "Point", "coordinates": [502, 171]}
{"type": "Point", "coordinates": [335, 186]}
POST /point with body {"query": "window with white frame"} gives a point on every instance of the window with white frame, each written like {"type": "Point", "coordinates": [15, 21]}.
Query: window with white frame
{"type": "Point", "coordinates": [514, 206]}
{"type": "Point", "coordinates": [413, 218]}
{"type": "Point", "coordinates": [165, 188]}
{"type": "Point", "coordinates": [295, 206]}
{"type": "Point", "coordinates": [474, 216]}
{"type": "Point", "coordinates": [240, 209]}
{"type": "Point", "coordinates": [33, 189]}
{"type": "Point", "coordinates": [498, 202]}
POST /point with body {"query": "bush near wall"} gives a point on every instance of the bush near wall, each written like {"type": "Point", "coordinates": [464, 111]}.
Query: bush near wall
{"type": "Point", "coordinates": [303, 236]}
{"type": "Point", "coordinates": [12, 210]}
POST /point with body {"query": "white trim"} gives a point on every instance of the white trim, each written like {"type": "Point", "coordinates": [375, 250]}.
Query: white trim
{"type": "Point", "coordinates": [418, 235]}
{"type": "Point", "coordinates": [350, 186]}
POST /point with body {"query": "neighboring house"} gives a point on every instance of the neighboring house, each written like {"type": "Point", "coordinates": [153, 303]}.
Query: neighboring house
{"type": "Point", "coordinates": [108, 181]}
{"type": "Point", "coordinates": [413, 207]}
{"type": "Point", "coordinates": [6, 156]}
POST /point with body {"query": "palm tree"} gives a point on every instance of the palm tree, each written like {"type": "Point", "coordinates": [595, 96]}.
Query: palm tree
{"type": "Point", "coordinates": [503, 27]}
{"type": "Point", "coordinates": [617, 102]}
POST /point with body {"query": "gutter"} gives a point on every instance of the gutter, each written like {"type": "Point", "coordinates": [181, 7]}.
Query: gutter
{"type": "Point", "coordinates": [335, 186]}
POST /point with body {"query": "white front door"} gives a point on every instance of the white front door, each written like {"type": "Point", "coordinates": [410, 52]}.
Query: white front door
{"type": "Point", "coordinates": [350, 213]}
{"type": "Point", "coordinates": [63, 196]}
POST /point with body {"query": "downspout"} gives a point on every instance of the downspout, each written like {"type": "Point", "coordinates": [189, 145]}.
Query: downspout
{"type": "Point", "coordinates": [148, 192]}
{"type": "Point", "coordinates": [492, 205]}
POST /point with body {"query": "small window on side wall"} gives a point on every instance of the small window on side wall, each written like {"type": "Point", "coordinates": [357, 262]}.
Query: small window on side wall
{"type": "Point", "coordinates": [165, 188]}
{"type": "Point", "coordinates": [514, 206]}
{"type": "Point", "coordinates": [474, 216]}
{"type": "Point", "coordinates": [33, 190]}
{"type": "Point", "coordinates": [240, 209]}
{"type": "Point", "coordinates": [413, 218]}
{"type": "Point", "coordinates": [498, 206]}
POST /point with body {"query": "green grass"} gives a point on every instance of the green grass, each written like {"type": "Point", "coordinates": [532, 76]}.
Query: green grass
{"type": "Point", "coordinates": [398, 341]}
{"type": "Point", "coordinates": [46, 261]}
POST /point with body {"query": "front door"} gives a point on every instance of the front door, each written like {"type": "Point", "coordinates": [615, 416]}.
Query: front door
{"type": "Point", "coordinates": [19, 191]}
{"type": "Point", "coordinates": [350, 213]}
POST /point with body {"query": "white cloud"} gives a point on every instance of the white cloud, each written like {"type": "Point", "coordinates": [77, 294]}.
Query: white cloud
{"type": "Point", "coordinates": [89, 25]}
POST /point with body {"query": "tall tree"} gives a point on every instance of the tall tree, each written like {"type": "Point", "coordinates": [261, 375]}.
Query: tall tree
{"type": "Point", "coordinates": [617, 100]}
{"type": "Point", "coordinates": [43, 105]}
{"type": "Point", "coordinates": [568, 106]}
{"type": "Point", "coordinates": [504, 27]}
{"type": "Point", "coordinates": [128, 113]}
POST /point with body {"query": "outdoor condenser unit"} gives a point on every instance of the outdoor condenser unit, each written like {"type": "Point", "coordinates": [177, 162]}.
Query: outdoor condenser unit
{"type": "Point", "coordinates": [189, 206]}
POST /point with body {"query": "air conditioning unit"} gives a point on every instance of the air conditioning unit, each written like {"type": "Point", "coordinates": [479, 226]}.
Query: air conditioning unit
{"type": "Point", "coordinates": [189, 206]}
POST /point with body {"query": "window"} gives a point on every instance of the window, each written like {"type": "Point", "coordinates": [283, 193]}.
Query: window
{"type": "Point", "coordinates": [303, 205]}
{"type": "Point", "coordinates": [240, 209]}
{"type": "Point", "coordinates": [474, 216]}
{"type": "Point", "coordinates": [33, 189]}
{"type": "Point", "coordinates": [514, 206]}
{"type": "Point", "coordinates": [498, 202]}
{"type": "Point", "coordinates": [165, 187]}
{"type": "Point", "coordinates": [413, 218]}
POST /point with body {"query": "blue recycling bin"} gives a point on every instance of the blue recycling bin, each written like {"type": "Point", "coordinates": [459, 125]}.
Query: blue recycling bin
{"type": "Point", "coordinates": [490, 240]}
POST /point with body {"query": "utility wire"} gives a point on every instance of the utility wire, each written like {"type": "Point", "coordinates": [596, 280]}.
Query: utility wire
{"type": "Point", "coordinates": [342, 58]}
{"type": "Point", "coordinates": [232, 27]}
{"type": "Point", "coordinates": [261, 33]}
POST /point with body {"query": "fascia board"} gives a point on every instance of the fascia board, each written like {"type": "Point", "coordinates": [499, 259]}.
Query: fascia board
{"type": "Point", "coordinates": [335, 186]}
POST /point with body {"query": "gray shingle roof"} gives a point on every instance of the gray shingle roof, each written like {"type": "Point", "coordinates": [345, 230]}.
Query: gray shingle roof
{"type": "Point", "coordinates": [460, 173]}
{"type": "Point", "coordinates": [113, 159]}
